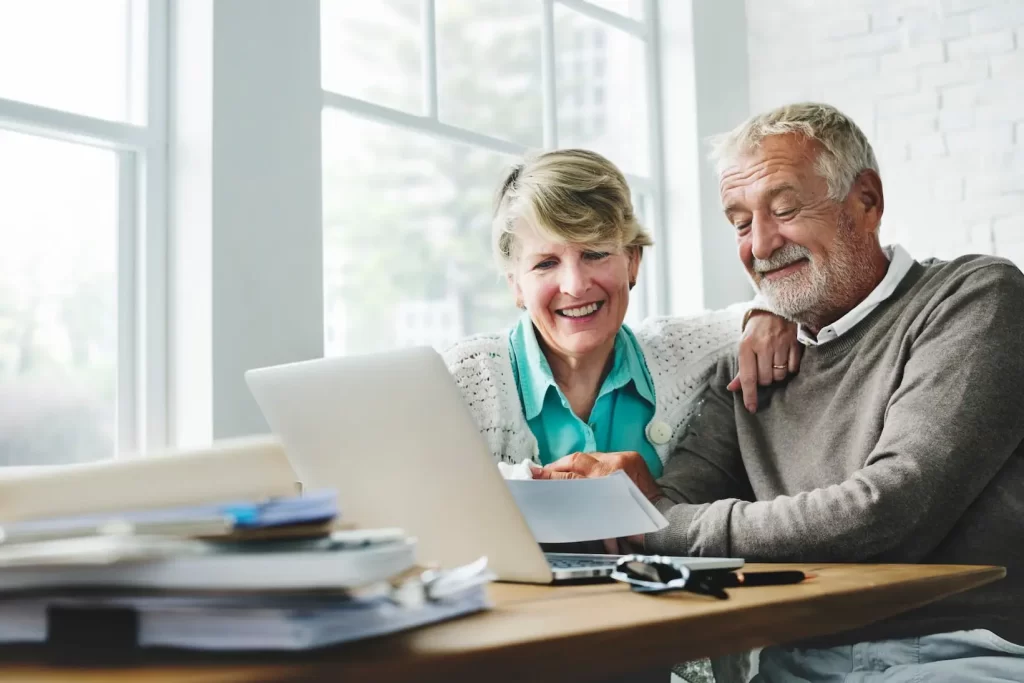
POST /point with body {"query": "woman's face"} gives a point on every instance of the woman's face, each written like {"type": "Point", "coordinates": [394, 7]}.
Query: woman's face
{"type": "Point", "coordinates": [576, 295]}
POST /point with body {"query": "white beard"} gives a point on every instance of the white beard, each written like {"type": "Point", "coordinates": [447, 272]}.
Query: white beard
{"type": "Point", "coordinates": [798, 293]}
{"type": "Point", "coordinates": [822, 286]}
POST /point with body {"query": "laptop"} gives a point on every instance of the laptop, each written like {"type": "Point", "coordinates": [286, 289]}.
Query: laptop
{"type": "Point", "coordinates": [391, 433]}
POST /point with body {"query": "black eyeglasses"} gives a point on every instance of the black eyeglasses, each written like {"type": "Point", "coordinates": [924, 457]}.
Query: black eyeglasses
{"type": "Point", "coordinates": [656, 574]}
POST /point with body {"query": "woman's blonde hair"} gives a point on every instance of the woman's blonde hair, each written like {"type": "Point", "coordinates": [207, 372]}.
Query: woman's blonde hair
{"type": "Point", "coordinates": [570, 196]}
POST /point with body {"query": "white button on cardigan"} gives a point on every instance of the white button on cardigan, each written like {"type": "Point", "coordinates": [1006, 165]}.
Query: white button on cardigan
{"type": "Point", "coordinates": [659, 433]}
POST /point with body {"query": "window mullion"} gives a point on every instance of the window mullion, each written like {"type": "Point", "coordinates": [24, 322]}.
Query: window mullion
{"type": "Point", "coordinates": [151, 253]}
{"type": "Point", "coordinates": [127, 303]}
{"type": "Point", "coordinates": [657, 295]}
{"type": "Point", "coordinates": [137, 31]}
{"type": "Point", "coordinates": [430, 88]}
{"type": "Point", "coordinates": [548, 75]}
{"type": "Point", "coordinates": [57, 124]}
{"type": "Point", "coordinates": [420, 124]}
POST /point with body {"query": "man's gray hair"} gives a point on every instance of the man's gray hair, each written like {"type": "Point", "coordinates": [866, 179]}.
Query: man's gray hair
{"type": "Point", "coordinates": [846, 150]}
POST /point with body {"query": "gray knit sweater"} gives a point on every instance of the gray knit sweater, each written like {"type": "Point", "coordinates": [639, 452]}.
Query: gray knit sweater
{"type": "Point", "coordinates": [898, 442]}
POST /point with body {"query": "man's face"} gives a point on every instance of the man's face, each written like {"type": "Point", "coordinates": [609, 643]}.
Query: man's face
{"type": "Point", "coordinates": [802, 250]}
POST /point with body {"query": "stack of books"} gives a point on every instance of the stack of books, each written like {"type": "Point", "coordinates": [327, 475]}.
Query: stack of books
{"type": "Point", "coordinates": [253, 573]}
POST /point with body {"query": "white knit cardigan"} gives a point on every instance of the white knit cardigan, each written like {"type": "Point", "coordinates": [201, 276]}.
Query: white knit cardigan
{"type": "Point", "coordinates": [680, 352]}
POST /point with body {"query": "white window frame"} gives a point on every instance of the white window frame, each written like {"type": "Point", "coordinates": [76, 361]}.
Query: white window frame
{"type": "Point", "coordinates": [142, 238]}
{"type": "Point", "coordinates": [653, 291]}
{"type": "Point", "coordinates": [244, 292]}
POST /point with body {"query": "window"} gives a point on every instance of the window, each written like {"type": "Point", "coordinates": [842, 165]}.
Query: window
{"type": "Point", "coordinates": [81, 183]}
{"type": "Point", "coordinates": [448, 93]}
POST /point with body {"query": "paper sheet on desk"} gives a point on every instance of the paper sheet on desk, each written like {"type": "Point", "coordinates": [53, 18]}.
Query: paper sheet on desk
{"type": "Point", "coordinates": [570, 510]}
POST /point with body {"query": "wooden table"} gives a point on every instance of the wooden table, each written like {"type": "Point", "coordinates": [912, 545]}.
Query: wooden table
{"type": "Point", "coordinates": [542, 633]}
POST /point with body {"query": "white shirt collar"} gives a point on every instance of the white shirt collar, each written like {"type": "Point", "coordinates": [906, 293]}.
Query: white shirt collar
{"type": "Point", "coordinates": [899, 265]}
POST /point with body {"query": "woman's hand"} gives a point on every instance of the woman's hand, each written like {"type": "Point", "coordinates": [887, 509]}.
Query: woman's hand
{"type": "Point", "coordinates": [589, 465]}
{"type": "Point", "coordinates": [624, 546]}
{"type": "Point", "coordinates": [769, 352]}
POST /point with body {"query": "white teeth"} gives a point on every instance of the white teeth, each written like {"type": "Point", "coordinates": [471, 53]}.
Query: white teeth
{"type": "Point", "coordinates": [580, 312]}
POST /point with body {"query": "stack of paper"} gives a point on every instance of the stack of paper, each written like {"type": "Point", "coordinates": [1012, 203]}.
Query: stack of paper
{"type": "Point", "coordinates": [161, 563]}
{"type": "Point", "coordinates": [254, 622]}
{"type": "Point", "coordinates": [270, 574]}
{"type": "Point", "coordinates": [252, 468]}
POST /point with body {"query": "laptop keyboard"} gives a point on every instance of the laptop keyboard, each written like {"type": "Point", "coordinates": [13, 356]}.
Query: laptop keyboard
{"type": "Point", "coordinates": [578, 562]}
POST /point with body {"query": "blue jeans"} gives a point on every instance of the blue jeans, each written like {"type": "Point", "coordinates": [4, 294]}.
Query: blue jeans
{"type": "Point", "coordinates": [957, 657]}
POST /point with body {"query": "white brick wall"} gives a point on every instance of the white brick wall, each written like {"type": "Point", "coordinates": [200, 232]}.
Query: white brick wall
{"type": "Point", "coordinates": [938, 87]}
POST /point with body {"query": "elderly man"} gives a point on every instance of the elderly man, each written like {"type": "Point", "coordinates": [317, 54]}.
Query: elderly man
{"type": "Point", "coordinates": [899, 441]}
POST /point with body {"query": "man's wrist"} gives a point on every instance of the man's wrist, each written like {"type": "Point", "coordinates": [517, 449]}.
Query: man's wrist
{"type": "Point", "coordinates": [673, 539]}
{"type": "Point", "coordinates": [751, 313]}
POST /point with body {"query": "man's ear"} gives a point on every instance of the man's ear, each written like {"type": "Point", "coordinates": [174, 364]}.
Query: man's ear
{"type": "Point", "coordinates": [868, 194]}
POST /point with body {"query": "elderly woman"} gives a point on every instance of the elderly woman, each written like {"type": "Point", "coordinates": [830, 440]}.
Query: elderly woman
{"type": "Point", "coordinates": [570, 376]}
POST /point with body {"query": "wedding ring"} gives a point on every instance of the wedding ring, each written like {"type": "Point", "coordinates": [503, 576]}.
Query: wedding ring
{"type": "Point", "coordinates": [781, 367]}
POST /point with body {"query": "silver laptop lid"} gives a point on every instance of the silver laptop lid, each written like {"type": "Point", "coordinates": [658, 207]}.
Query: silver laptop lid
{"type": "Point", "coordinates": [392, 434]}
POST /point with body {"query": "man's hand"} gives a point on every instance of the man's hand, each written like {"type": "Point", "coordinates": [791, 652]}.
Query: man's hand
{"type": "Point", "coordinates": [768, 352]}
{"type": "Point", "coordinates": [590, 465]}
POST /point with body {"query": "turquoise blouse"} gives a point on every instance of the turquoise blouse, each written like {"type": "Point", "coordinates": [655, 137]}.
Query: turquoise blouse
{"type": "Point", "coordinates": [624, 406]}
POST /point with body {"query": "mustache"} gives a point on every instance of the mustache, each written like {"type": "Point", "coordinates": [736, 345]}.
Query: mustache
{"type": "Point", "coordinates": [782, 257]}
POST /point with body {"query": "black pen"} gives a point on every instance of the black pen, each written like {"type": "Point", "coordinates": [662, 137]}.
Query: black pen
{"type": "Point", "coordinates": [778, 578]}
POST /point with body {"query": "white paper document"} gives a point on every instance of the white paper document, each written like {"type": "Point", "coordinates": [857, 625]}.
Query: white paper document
{"type": "Point", "coordinates": [570, 510]}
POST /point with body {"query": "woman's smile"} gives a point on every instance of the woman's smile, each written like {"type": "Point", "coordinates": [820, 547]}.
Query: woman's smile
{"type": "Point", "coordinates": [581, 313]}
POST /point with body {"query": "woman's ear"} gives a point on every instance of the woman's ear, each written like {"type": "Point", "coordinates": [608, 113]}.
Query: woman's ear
{"type": "Point", "coordinates": [636, 254]}
{"type": "Point", "coordinates": [517, 292]}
